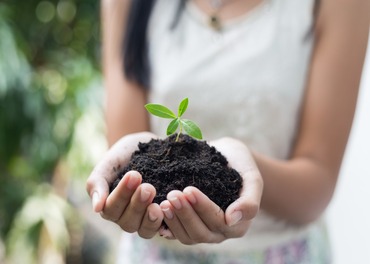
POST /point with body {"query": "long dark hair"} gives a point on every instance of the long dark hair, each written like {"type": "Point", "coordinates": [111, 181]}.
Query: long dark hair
{"type": "Point", "coordinates": [135, 47]}
{"type": "Point", "coordinates": [136, 63]}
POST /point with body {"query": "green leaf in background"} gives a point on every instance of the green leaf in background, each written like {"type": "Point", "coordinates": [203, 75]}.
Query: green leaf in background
{"type": "Point", "coordinates": [160, 111]}
{"type": "Point", "coordinates": [191, 128]}
{"type": "Point", "coordinates": [183, 106]}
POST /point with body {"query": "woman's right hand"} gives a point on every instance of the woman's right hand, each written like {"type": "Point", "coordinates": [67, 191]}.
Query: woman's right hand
{"type": "Point", "coordinates": [130, 203]}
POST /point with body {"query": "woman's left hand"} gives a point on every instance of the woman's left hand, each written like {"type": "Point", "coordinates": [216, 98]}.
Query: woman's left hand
{"type": "Point", "coordinates": [193, 218]}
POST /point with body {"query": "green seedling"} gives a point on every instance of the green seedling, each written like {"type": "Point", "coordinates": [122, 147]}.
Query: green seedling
{"type": "Point", "coordinates": [177, 122]}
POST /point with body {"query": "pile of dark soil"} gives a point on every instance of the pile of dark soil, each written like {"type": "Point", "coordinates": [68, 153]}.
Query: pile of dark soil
{"type": "Point", "coordinates": [170, 165]}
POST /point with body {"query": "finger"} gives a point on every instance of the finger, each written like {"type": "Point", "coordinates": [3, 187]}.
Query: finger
{"type": "Point", "coordinates": [97, 186]}
{"type": "Point", "coordinates": [152, 221]}
{"type": "Point", "coordinates": [247, 205]}
{"type": "Point", "coordinates": [210, 213]}
{"type": "Point", "coordinates": [103, 176]}
{"type": "Point", "coordinates": [213, 216]}
{"type": "Point", "coordinates": [173, 223]}
{"type": "Point", "coordinates": [98, 190]}
{"type": "Point", "coordinates": [133, 215]}
{"type": "Point", "coordinates": [120, 197]}
{"type": "Point", "coordinates": [166, 233]}
{"type": "Point", "coordinates": [196, 230]}
{"type": "Point", "coordinates": [105, 172]}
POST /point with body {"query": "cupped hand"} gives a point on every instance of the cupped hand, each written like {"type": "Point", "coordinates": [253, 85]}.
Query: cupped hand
{"type": "Point", "coordinates": [193, 218]}
{"type": "Point", "coordinates": [130, 203]}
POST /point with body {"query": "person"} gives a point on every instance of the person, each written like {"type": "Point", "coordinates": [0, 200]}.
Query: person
{"type": "Point", "coordinates": [273, 85]}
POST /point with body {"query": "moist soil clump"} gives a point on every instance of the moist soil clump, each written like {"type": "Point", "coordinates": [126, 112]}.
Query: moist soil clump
{"type": "Point", "coordinates": [170, 165]}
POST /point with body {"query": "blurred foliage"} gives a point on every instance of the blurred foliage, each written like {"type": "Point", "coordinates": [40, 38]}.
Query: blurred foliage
{"type": "Point", "coordinates": [49, 60]}
{"type": "Point", "coordinates": [44, 216]}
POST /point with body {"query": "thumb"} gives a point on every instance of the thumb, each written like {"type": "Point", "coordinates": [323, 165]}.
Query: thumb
{"type": "Point", "coordinates": [241, 210]}
{"type": "Point", "coordinates": [98, 191]}
{"type": "Point", "coordinates": [247, 205]}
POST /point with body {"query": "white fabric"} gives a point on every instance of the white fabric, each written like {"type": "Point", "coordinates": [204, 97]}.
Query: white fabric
{"type": "Point", "coordinates": [246, 82]}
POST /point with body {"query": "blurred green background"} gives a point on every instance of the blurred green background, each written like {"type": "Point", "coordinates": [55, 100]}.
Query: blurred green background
{"type": "Point", "coordinates": [51, 130]}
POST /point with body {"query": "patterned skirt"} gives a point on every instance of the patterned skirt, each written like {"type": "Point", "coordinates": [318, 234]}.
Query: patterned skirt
{"type": "Point", "coordinates": [311, 249]}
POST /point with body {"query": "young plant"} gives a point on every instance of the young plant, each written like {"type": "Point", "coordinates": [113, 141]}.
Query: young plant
{"type": "Point", "coordinates": [177, 122]}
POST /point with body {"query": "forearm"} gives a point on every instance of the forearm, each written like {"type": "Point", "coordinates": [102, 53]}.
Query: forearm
{"type": "Point", "coordinates": [297, 190]}
{"type": "Point", "coordinates": [125, 100]}
{"type": "Point", "coordinates": [124, 109]}
{"type": "Point", "coordinates": [300, 188]}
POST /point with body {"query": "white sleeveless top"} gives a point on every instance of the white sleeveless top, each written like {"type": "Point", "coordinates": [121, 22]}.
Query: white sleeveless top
{"type": "Point", "coordinates": [246, 82]}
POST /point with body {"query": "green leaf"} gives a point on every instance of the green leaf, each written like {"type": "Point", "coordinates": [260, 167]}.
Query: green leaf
{"type": "Point", "coordinates": [172, 127]}
{"type": "Point", "coordinates": [183, 106]}
{"type": "Point", "coordinates": [160, 110]}
{"type": "Point", "coordinates": [191, 128]}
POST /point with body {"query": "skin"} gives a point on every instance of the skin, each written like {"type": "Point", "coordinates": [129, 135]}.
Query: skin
{"type": "Point", "coordinates": [297, 190]}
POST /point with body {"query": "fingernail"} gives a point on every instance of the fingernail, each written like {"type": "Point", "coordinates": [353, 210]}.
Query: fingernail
{"type": "Point", "coordinates": [95, 200]}
{"type": "Point", "coordinates": [132, 181]}
{"type": "Point", "coordinates": [144, 195]}
{"type": "Point", "coordinates": [167, 212]}
{"type": "Point", "coordinates": [190, 196]}
{"type": "Point", "coordinates": [175, 202]}
{"type": "Point", "coordinates": [165, 232]}
{"type": "Point", "coordinates": [235, 218]}
{"type": "Point", "coordinates": [152, 217]}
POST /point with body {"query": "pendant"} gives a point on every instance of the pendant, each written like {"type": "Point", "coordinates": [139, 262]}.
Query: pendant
{"type": "Point", "coordinates": [215, 22]}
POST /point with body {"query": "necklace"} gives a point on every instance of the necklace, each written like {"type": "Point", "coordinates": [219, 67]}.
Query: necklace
{"type": "Point", "coordinates": [214, 19]}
